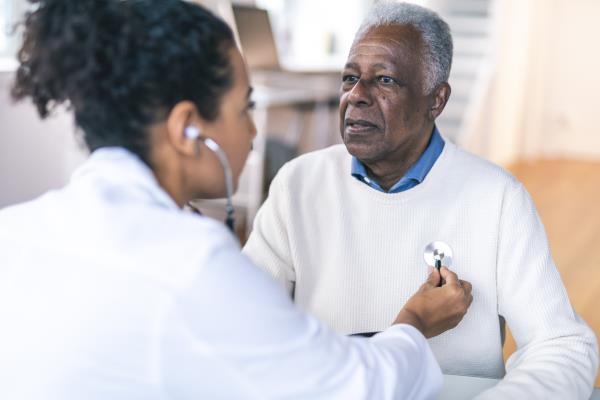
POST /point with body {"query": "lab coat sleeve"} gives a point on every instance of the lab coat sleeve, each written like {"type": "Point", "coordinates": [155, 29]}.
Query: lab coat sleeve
{"type": "Point", "coordinates": [268, 245]}
{"type": "Point", "coordinates": [236, 322]}
{"type": "Point", "coordinates": [557, 353]}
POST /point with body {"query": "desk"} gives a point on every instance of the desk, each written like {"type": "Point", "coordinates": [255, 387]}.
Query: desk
{"type": "Point", "coordinates": [466, 387]}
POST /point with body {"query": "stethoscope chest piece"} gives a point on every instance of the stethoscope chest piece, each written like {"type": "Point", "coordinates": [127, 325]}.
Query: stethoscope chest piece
{"type": "Point", "coordinates": [438, 254]}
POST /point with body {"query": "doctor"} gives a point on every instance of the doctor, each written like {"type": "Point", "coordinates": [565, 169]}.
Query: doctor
{"type": "Point", "coordinates": [110, 290]}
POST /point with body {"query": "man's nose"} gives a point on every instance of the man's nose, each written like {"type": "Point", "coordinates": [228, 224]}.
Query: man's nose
{"type": "Point", "coordinates": [360, 95]}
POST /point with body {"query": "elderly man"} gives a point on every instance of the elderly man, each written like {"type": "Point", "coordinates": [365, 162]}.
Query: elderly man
{"type": "Point", "coordinates": [344, 228]}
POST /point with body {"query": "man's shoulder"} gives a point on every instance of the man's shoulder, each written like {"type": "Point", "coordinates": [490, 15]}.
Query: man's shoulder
{"type": "Point", "coordinates": [318, 164]}
{"type": "Point", "coordinates": [477, 170]}
{"type": "Point", "coordinates": [332, 154]}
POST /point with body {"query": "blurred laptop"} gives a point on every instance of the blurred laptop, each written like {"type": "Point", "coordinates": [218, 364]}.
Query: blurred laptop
{"type": "Point", "coordinates": [260, 50]}
{"type": "Point", "coordinates": [256, 37]}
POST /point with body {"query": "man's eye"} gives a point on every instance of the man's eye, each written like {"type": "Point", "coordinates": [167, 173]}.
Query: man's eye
{"type": "Point", "coordinates": [251, 105]}
{"type": "Point", "coordinates": [386, 79]}
{"type": "Point", "coordinates": [350, 79]}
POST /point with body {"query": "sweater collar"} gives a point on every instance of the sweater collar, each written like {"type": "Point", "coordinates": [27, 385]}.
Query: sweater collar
{"type": "Point", "coordinates": [416, 173]}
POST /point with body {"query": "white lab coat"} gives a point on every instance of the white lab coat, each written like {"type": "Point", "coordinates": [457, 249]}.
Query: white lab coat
{"type": "Point", "coordinates": [109, 291]}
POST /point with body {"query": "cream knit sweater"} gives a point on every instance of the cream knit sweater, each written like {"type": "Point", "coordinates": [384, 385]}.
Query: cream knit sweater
{"type": "Point", "coordinates": [352, 256]}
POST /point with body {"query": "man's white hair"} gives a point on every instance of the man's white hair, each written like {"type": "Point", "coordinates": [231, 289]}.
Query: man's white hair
{"type": "Point", "coordinates": [435, 32]}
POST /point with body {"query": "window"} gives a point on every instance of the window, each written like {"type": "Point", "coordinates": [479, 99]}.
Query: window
{"type": "Point", "coordinates": [315, 32]}
{"type": "Point", "coordinates": [11, 12]}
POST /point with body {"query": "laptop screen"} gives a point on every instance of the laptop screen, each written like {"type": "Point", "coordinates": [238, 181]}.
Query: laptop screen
{"type": "Point", "coordinates": [256, 37]}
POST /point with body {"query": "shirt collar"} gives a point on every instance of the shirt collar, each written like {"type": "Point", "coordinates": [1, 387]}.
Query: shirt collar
{"type": "Point", "coordinates": [415, 174]}
{"type": "Point", "coordinates": [126, 173]}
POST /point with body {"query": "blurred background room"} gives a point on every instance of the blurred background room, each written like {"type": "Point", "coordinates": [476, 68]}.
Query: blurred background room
{"type": "Point", "coordinates": [525, 88]}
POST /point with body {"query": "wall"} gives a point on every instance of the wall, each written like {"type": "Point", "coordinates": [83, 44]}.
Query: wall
{"type": "Point", "coordinates": [542, 101]}
{"type": "Point", "coordinates": [35, 155]}
{"type": "Point", "coordinates": [569, 96]}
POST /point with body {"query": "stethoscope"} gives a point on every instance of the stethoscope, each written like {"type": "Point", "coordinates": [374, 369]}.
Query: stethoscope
{"type": "Point", "coordinates": [436, 254]}
{"type": "Point", "coordinates": [193, 133]}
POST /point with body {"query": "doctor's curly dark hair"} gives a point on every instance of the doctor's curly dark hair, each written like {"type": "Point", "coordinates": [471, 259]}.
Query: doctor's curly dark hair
{"type": "Point", "coordinates": [121, 65]}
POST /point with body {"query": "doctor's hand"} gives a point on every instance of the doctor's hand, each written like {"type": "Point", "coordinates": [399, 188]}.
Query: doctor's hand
{"type": "Point", "coordinates": [434, 310]}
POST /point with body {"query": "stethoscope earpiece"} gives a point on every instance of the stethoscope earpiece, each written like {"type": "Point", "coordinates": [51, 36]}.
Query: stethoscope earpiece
{"type": "Point", "coordinates": [191, 132]}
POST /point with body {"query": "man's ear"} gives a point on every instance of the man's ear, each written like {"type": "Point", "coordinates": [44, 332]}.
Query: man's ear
{"type": "Point", "coordinates": [439, 98]}
{"type": "Point", "coordinates": [184, 114]}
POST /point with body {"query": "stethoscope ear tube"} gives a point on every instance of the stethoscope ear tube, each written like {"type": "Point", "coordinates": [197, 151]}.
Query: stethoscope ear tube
{"type": "Point", "coordinates": [222, 157]}
{"type": "Point", "coordinates": [215, 148]}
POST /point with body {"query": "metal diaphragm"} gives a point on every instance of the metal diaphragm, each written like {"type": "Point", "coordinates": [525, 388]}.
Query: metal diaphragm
{"type": "Point", "coordinates": [438, 251]}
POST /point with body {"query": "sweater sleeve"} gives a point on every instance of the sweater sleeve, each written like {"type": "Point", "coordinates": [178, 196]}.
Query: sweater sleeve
{"type": "Point", "coordinates": [235, 330]}
{"type": "Point", "coordinates": [268, 245]}
{"type": "Point", "coordinates": [557, 354]}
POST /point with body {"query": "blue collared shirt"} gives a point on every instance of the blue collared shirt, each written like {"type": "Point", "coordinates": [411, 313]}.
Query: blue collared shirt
{"type": "Point", "coordinates": [415, 175]}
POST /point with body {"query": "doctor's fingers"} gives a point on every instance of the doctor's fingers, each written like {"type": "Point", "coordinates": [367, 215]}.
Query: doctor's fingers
{"type": "Point", "coordinates": [432, 280]}
{"type": "Point", "coordinates": [468, 290]}
{"type": "Point", "coordinates": [449, 277]}
{"type": "Point", "coordinates": [465, 291]}
{"type": "Point", "coordinates": [460, 290]}
{"type": "Point", "coordinates": [466, 285]}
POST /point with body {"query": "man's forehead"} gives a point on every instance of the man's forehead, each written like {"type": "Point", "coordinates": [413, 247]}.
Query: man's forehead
{"type": "Point", "coordinates": [398, 32]}
{"type": "Point", "coordinates": [372, 48]}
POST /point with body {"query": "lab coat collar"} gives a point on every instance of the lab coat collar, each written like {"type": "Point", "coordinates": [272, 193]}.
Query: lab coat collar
{"type": "Point", "coordinates": [124, 169]}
